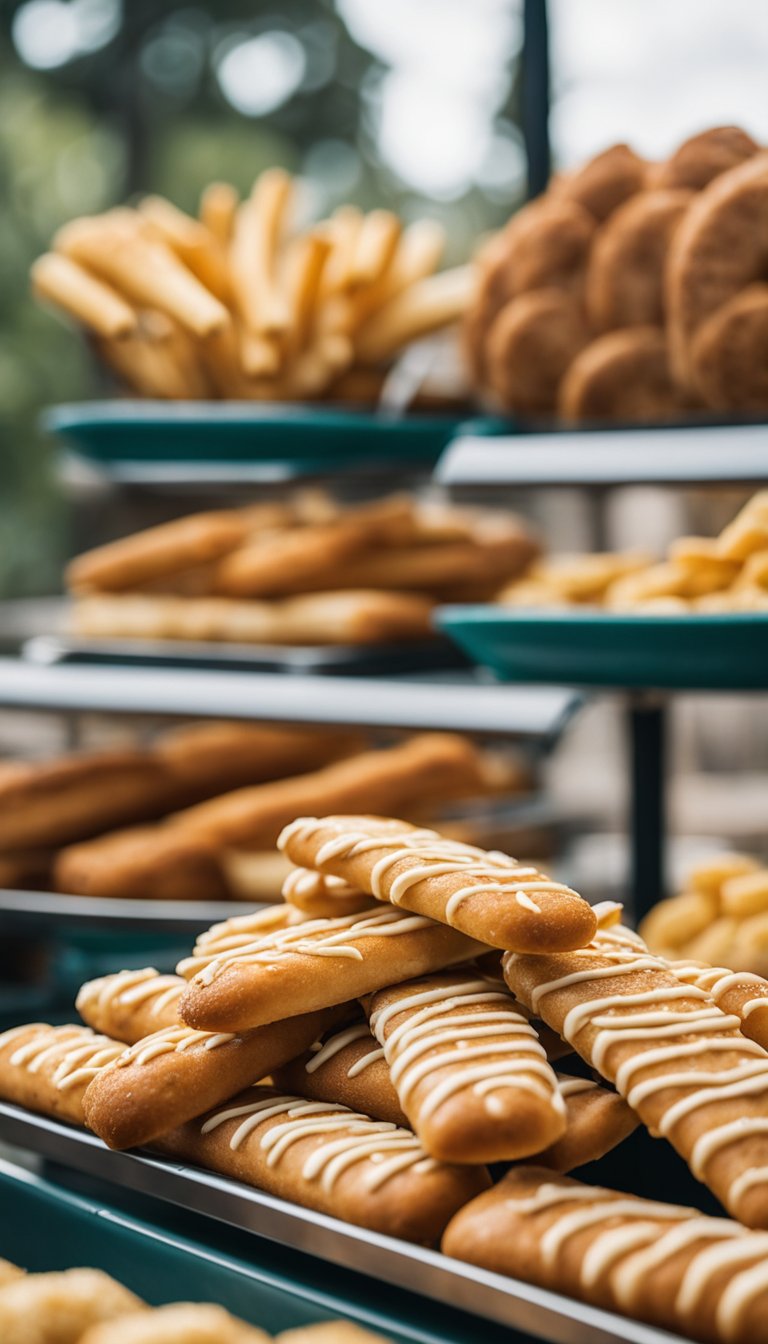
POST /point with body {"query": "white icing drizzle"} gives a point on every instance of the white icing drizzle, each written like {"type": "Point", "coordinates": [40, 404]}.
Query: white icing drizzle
{"type": "Point", "coordinates": [134, 988]}
{"type": "Point", "coordinates": [569, 1087]}
{"type": "Point", "coordinates": [630, 1278]}
{"type": "Point", "coordinates": [172, 1040]}
{"type": "Point", "coordinates": [435, 1036]}
{"type": "Point", "coordinates": [305, 882]}
{"type": "Point", "coordinates": [385, 1146]}
{"type": "Point", "coordinates": [338, 1042]}
{"type": "Point", "coordinates": [77, 1053]}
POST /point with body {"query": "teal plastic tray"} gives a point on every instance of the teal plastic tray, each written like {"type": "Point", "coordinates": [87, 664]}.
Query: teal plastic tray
{"type": "Point", "coordinates": [299, 439]}
{"type": "Point", "coordinates": [591, 648]}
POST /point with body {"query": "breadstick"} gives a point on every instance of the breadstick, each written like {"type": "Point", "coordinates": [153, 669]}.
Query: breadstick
{"type": "Point", "coordinates": [468, 1069]}
{"type": "Point", "coordinates": [48, 1069]}
{"type": "Point", "coordinates": [254, 876]}
{"type": "Point", "coordinates": [151, 863]}
{"type": "Point", "coordinates": [597, 1120]}
{"type": "Point", "coordinates": [58, 1308]}
{"type": "Point", "coordinates": [26, 869]}
{"type": "Point", "coordinates": [322, 896]}
{"type": "Point", "coordinates": [669, 1266]}
{"type": "Point", "coordinates": [679, 1061]}
{"type": "Point", "coordinates": [739, 992]}
{"type": "Point", "coordinates": [329, 1332]}
{"type": "Point", "coordinates": [504, 904]}
{"type": "Point", "coordinates": [158, 551]}
{"type": "Point", "coordinates": [231, 934]}
{"type": "Point", "coordinates": [327, 1158]}
{"type": "Point", "coordinates": [316, 964]}
{"type": "Point", "coordinates": [129, 1005]}
{"type": "Point", "coordinates": [426, 568]}
{"type": "Point", "coordinates": [276, 566]}
{"type": "Point", "coordinates": [177, 1073]}
{"type": "Point", "coordinates": [179, 1323]}
{"type": "Point", "coordinates": [61, 281]}
{"type": "Point", "coordinates": [345, 1066]}
{"type": "Point", "coordinates": [426, 306]}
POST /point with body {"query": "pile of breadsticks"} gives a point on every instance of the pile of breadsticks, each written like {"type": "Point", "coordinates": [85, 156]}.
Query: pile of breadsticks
{"type": "Point", "coordinates": [404, 1008]}
{"type": "Point", "coordinates": [631, 291]}
{"type": "Point", "coordinates": [728, 573]}
{"type": "Point", "coordinates": [306, 571]}
{"type": "Point", "coordinates": [86, 1306]}
{"type": "Point", "coordinates": [720, 916]}
{"type": "Point", "coordinates": [224, 848]}
{"type": "Point", "coordinates": [241, 303]}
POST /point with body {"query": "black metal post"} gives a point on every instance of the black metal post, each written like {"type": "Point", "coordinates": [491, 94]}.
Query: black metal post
{"type": "Point", "coordinates": [646, 717]}
{"type": "Point", "coordinates": [535, 94]}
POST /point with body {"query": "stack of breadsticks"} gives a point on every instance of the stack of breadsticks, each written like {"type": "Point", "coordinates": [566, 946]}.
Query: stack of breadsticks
{"type": "Point", "coordinates": [631, 291]}
{"type": "Point", "coordinates": [303, 572]}
{"type": "Point", "coordinates": [407, 1003]}
{"type": "Point", "coordinates": [728, 573]}
{"type": "Point", "coordinates": [241, 303]}
{"type": "Point", "coordinates": [720, 916]}
{"type": "Point", "coordinates": [86, 1306]}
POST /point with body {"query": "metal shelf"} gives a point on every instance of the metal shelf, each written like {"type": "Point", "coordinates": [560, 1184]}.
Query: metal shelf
{"type": "Point", "coordinates": [462, 702]}
{"type": "Point", "coordinates": [690, 455]}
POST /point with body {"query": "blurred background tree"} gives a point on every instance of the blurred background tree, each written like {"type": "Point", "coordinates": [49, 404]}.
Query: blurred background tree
{"type": "Point", "coordinates": [412, 105]}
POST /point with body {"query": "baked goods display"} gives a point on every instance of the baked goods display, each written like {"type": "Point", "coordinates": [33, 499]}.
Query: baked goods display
{"type": "Point", "coordinates": [631, 290]}
{"type": "Point", "coordinates": [86, 1306]}
{"type": "Point", "coordinates": [306, 572]}
{"type": "Point", "coordinates": [242, 302]}
{"type": "Point", "coordinates": [727, 573]}
{"type": "Point", "coordinates": [720, 917]}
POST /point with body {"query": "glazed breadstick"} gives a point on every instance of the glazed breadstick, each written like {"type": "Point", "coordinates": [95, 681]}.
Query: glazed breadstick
{"type": "Point", "coordinates": [706, 1278]}
{"type": "Point", "coordinates": [48, 1069]}
{"type": "Point", "coordinates": [468, 1069]}
{"type": "Point", "coordinates": [488, 896]}
{"type": "Point", "coordinates": [321, 895]}
{"type": "Point", "coordinates": [58, 1308]}
{"type": "Point", "coordinates": [129, 1005]}
{"type": "Point", "coordinates": [233, 934]}
{"type": "Point", "coordinates": [315, 964]}
{"type": "Point", "coordinates": [327, 1158]}
{"type": "Point", "coordinates": [346, 1066]}
{"type": "Point", "coordinates": [177, 1073]}
{"type": "Point", "coordinates": [179, 1323]}
{"type": "Point", "coordinates": [680, 1062]}
{"type": "Point", "coordinates": [738, 992]}
{"type": "Point", "coordinates": [597, 1120]}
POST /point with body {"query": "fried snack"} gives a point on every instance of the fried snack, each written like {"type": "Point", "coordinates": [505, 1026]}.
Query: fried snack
{"type": "Point", "coordinates": [177, 1073]}
{"type": "Point", "coordinates": [622, 376]}
{"type": "Point", "coordinates": [218, 206]}
{"type": "Point", "coordinates": [547, 244]}
{"type": "Point", "coordinates": [327, 1158]}
{"type": "Point", "coordinates": [192, 242]}
{"type": "Point", "coordinates": [710, 875]}
{"type": "Point", "coordinates": [488, 896]}
{"type": "Point", "coordinates": [597, 1121]}
{"type": "Point", "coordinates": [48, 1069]}
{"type": "Point", "coordinates": [60, 281]}
{"type": "Point", "coordinates": [158, 552]}
{"type": "Point", "coordinates": [673, 922]}
{"type": "Point", "coordinates": [574, 578]}
{"type": "Point", "coordinates": [603, 183]}
{"type": "Point", "coordinates": [58, 1308]}
{"type": "Point", "coordinates": [468, 1069]}
{"type": "Point", "coordinates": [433, 569]}
{"type": "Point", "coordinates": [345, 1066]}
{"type": "Point", "coordinates": [705, 156]}
{"type": "Point", "coordinates": [748, 533]}
{"type": "Point", "coordinates": [745, 895]}
{"type": "Point", "coordinates": [258, 227]}
{"type": "Point", "coordinates": [717, 251]}
{"type": "Point", "coordinates": [129, 1005]}
{"type": "Point", "coordinates": [624, 285]}
{"type": "Point", "coordinates": [424, 307]}
{"type": "Point", "coordinates": [316, 964]}
{"type": "Point", "coordinates": [530, 346]}
{"type": "Point", "coordinates": [179, 1323]}
{"type": "Point", "coordinates": [679, 1062]}
{"type": "Point", "coordinates": [350, 617]}
{"type": "Point", "coordinates": [318, 895]}
{"type": "Point", "coordinates": [724, 361]}
{"type": "Point", "coordinates": [669, 1266]}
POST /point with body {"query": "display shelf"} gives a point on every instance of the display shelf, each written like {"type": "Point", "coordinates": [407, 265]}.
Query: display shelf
{"type": "Point", "coordinates": [688, 455]}
{"type": "Point", "coordinates": [490, 1298]}
{"type": "Point", "coordinates": [40, 911]}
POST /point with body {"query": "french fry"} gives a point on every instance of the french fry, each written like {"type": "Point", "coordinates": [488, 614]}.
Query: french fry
{"type": "Point", "coordinates": [417, 254]}
{"type": "Point", "coordinates": [342, 229]}
{"type": "Point", "coordinates": [255, 241]}
{"type": "Point", "coordinates": [260, 354]}
{"type": "Point", "coordinates": [63, 282]}
{"type": "Point", "coordinates": [218, 205]}
{"type": "Point", "coordinates": [302, 275]}
{"type": "Point", "coordinates": [149, 369]}
{"type": "Point", "coordinates": [374, 247]}
{"type": "Point", "coordinates": [191, 241]}
{"type": "Point", "coordinates": [424, 307]}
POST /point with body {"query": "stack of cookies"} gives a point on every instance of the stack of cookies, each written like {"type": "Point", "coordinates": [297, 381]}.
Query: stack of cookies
{"type": "Point", "coordinates": [728, 573]}
{"type": "Point", "coordinates": [301, 572]}
{"type": "Point", "coordinates": [720, 916]}
{"type": "Point", "coordinates": [369, 1047]}
{"type": "Point", "coordinates": [631, 291]}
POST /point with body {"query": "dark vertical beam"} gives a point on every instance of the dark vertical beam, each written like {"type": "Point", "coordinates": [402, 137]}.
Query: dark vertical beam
{"type": "Point", "coordinates": [647, 805]}
{"type": "Point", "coordinates": [535, 94]}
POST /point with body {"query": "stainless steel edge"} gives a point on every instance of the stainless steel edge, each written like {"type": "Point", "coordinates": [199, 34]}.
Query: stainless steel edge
{"type": "Point", "coordinates": [547, 1315]}
{"type": "Point", "coordinates": [183, 917]}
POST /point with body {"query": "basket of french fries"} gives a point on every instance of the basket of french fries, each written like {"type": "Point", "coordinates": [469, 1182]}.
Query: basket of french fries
{"type": "Point", "coordinates": [241, 303]}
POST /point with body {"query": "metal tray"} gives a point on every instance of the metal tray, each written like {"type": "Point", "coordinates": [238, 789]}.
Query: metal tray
{"type": "Point", "coordinates": [52, 911]}
{"type": "Point", "coordinates": [491, 1297]}
{"type": "Point", "coordinates": [437, 654]}
{"type": "Point", "coordinates": [694, 652]}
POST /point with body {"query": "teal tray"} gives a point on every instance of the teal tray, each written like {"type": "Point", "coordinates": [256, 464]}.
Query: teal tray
{"type": "Point", "coordinates": [296, 439]}
{"type": "Point", "coordinates": [590, 648]}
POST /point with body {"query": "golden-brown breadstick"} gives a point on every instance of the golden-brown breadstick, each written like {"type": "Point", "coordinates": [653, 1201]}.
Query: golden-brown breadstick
{"type": "Point", "coordinates": [61, 281]}
{"type": "Point", "coordinates": [48, 1069]}
{"type": "Point", "coordinates": [596, 1121]}
{"type": "Point", "coordinates": [702, 1277]}
{"type": "Point", "coordinates": [742, 993]}
{"type": "Point", "coordinates": [237, 932]}
{"type": "Point", "coordinates": [325, 896]}
{"type": "Point", "coordinates": [276, 566]}
{"type": "Point", "coordinates": [679, 1061]}
{"type": "Point", "coordinates": [128, 1005]}
{"type": "Point", "coordinates": [327, 1158]}
{"type": "Point", "coordinates": [347, 1066]}
{"type": "Point", "coordinates": [157, 552]}
{"type": "Point", "coordinates": [468, 1068]}
{"type": "Point", "coordinates": [329, 1332]}
{"type": "Point", "coordinates": [488, 896]}
{"type": "Point", "coordinates": [179, 1323]}
{"type": "Point", "coordinates": [177, 1073]}
{"type": "Point", "coordinates": [424, 307]}
{"type": "Point", "coordinates": [315, 964]}
{"type": "Point", "coordinates": [254, 876]}
{"type": "Point", "coordinates": [58, 1308]}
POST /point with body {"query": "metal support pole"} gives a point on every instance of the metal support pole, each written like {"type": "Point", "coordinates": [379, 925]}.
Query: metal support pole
{"type": "Point", "coordinates": [535, 94]}
{"type": "Point", "coordinates": [646, 717]}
